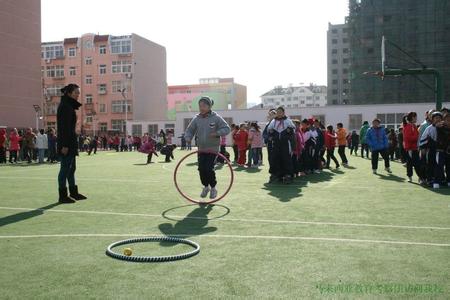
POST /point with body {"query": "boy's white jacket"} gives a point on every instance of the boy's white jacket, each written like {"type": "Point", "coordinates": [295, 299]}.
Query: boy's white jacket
{"type": "Point", "coordinates": [41, 141]}
{"type": "Point", "coordinates": [203, 126]}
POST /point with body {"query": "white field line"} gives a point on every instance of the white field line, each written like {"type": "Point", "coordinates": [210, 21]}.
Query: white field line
{"type": "Point", "coordinates": [232, 219]}
{"type": "Point", "coordinates": [267, 237]}
{"type": "Point", "coordinates": [330, 184]}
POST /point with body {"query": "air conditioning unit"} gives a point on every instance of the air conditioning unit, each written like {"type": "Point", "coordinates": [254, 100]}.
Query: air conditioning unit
{"type": "Point", "coordinates": [48, 60]}
{"type": "Point", "coordinates": [129, 75]}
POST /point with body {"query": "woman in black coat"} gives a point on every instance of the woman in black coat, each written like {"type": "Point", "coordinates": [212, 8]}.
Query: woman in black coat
{"type": "Point", "coordinates": [67, 143]}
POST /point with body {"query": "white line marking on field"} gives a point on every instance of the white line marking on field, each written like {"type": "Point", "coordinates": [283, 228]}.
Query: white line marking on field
{"type": "Point", "coordinates": [261, 185]}
{"type": "Point", "coordinates": [304, 238]}
{"type": "Point", "coordinates": [81, 178]}
{"type": "Point", "coordinates": [231, 219]}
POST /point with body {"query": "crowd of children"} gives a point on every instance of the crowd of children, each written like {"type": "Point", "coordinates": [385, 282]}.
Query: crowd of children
{"type": "Point", "coordinates": [294, 147]}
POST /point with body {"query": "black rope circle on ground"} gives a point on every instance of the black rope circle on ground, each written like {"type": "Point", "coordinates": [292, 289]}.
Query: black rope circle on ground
{"type": "Point", "coordinates": [172, 218]}
{"type": "Point", "coordinates": [115, 255]}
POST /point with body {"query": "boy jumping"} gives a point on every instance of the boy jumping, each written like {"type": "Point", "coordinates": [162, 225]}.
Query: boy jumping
{"type": "Point", "coordinates": [208, 127]}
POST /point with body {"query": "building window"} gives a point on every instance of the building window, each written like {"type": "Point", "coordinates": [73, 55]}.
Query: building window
{"type": "Point", "coordinates": [152, 129]}
{"type": "Point", "coordinates": [88, 119]}
{"type": "Point", "coordinates": [335, 92]}
{"type": "Point", "coordinates": [72, 52]}
{"type": "Point", "coordinates": [118, 106]}
{"type": "Point", "coordinates": [88, 60]}
{"type": "Point", "coordinates": [334, 71]}
{"type": "Point", "coordinates": [334, 51]}
{"type": "Point", "coordinates": [72, 71]}
{"type": "Point", "coordinates": [345, 81]}
{"type": "Point", "coordinates": [334, 61]}
{"type": "Point", "coordinates": [88, 79]}
{"type": "Point", "coordinates": [391, 120]}
{"type": "Point", "coordinates": [334, 31]}
{"type": "Point", "coordinates": [334, 41]}
{"type": "Point", "coordinates": [102, 108]}
{"type": "Point", "coordinates": [88, 99]}
{"type": "Point", "coordinates": [118, 86]}
{"type": "Point", "coordinates": [54, 90]}
{"type": "Point", "coordinates": [335, 81]}
{"type": "Point", "coordinates": [345, 40]}
{"type": "Point", "coordinates": [345, 71]}
{"type": "Point", "coordinates": [52, 51]}
{"type": "Point", "coordinates": [344, 30]}
{"type": "Point", "coordinates": [55, 71]}
{"type": "Point", "coordinates": [102, 49]}
{"type": "Point", "coordinates": [103, 127]}
{"type": "Point", "coordinates": [121, 66]}
{"type": "Point", "coordinates": [335, 101]}
{"type": "Point", "coordinates": [345, 50]}
{"type": "Point", "coordinates": [102, 69]}
{"type": "Point", "coordinates": [136, 130]}
{"type": "Point", "coordinates": [345, 60]}
{"type": "Point", "coordinates": [370, 50]}
{"type": "Point", "coordinates": [354, 121]}
{"type": "Point", "coordinates": [51, 109]}
{"type": "Point", "coordinates": [102, 88]}
{"type": "Point", "coordinates": [118, 125]}
{"type": "Point", "coordinates": [321, 118]}
{"type": "Point", "coordinates": [121, 46]}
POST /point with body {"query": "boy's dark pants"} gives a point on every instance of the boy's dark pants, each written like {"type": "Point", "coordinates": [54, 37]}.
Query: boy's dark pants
{"type": "Point", "coordinates": [383, 154]}
{"type": "Point", "coordinates": [206, 163]}
{"type": "Point", "coordinates": [341, 152]}
{"type": "Point", "coordinates": [2, 155]}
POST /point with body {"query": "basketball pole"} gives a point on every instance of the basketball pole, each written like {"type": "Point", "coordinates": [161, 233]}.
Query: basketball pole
{"type": "Point", "coordinates": [438, 85]}
{"type": "Point", "coordinates": [385, 71]}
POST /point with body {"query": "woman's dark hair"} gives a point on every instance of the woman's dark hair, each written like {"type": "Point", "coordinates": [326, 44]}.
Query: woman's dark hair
{"type": "Point", "coordinates": [411, 115]}
{"type": "Point", "coordinates": [68, 89]}
{"type": "Point", "coordinates": [281, 108]}
{"type": "Point", "coordinates": [330, 128]}
{"type": "Point", "coordinates": [256, 126]}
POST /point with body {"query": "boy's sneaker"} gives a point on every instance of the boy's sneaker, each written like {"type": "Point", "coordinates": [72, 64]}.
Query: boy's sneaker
{"type": "Point", "coordinates": [374, 171]}
{"type": "Point", "coordinates": [205, 192]}
{"type": "Point", "coordinates": [213, 194]}
{"type": "Point", "coordinates": [388, 170]}
{"type": "Point", "coordinates": [436, 185]}
{"type": "Point", "coordinates": [409, 179]}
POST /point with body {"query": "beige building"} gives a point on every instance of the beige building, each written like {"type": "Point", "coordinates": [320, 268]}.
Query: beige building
{"type": "Point", "coordinates": [20, 71]}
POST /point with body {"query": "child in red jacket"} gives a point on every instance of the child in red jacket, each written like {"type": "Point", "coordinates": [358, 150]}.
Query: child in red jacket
{"type": "Point", "coordinates": [330, 144]}
{"type": "Point", "coordinates": [410, 146]}
{"type": "Point", "coordinates": [241, 140]}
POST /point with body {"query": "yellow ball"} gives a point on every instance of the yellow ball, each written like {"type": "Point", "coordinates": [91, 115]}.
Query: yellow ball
{"type": "Point", "coordinates": [127, 251]}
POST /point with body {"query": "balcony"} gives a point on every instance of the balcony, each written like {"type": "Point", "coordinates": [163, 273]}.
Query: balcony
{"type": "Point", "coordinates": [102, 92]}
{"type": "Point", "coordinates": [89, 106]}
{"type": "Point", "coordinates": [59, 77]}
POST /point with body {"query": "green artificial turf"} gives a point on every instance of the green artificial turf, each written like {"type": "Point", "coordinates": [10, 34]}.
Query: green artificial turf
{"type": "Point", "coordinates": [310, 240]}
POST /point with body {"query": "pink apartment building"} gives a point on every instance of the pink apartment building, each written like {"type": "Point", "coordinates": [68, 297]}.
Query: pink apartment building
{"type": "Point", "coordinates": [20, 78]}
{"type": "Point", "coordinates": [121, 78]}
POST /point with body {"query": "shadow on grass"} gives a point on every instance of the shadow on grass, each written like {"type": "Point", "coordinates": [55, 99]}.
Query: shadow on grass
{"type": "Point", "coordinates": [195, 223]}
{"type": "Point", "coordinates": [391, 177]}
{"type": "Point", "coordinates": [142, 164]}
{"type": "Point", "coordinates": [22, 216]}
{"type": "Point", "coordinates": [284, 192]}
{"type": "Point", "coordinates": [165, 214]}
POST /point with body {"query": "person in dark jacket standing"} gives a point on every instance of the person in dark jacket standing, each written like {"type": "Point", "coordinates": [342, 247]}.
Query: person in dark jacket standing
{"type": "Point", "coordinates": [67, 143]}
